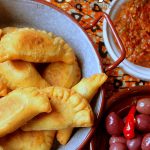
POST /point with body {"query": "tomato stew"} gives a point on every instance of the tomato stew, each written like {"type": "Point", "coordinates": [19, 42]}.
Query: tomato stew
{"type": "Point", "coordinates": [133, 25]}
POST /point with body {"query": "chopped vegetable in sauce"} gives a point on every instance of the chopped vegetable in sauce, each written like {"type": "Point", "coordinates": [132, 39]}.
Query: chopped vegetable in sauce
{"type": "Point", "coordinates": [133, 25]}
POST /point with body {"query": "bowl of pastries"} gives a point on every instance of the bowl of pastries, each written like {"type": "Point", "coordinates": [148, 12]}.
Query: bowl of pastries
{"type": "Point", "coordinates": [49, 74]}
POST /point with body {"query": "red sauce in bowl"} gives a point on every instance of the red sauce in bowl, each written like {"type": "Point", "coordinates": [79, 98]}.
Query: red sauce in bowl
{"type": "Point", "coordinates": [133, 25]}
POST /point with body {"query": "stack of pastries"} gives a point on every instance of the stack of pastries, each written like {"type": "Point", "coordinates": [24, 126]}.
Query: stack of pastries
{"type": "Point", "coordinates": [36, 107]}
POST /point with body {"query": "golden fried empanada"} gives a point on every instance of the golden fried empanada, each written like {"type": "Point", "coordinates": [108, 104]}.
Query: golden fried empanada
{"type": "Point", "coordinates": [64, 135]}
{"type": "Point", "coordinates": [34, 140]}
{"type": "Point", "coordinates": [1, 148]}
{"type": "Point", "coordinates": [3, 88]}
{"type": "Point", "coordinates": [34, 46]}
{"type": "Point", "coordinates": [87, 87]}
{"type": "Point", "coordinates": [19, 106]}
{"type": "Point", "coordinates": [61, 74]}
{"type": "Point", "coordinates": [21, 74]}
{"type": "Point", "coordinates": [70, 109]}
{"type": "Point", "coordinates": [8, 30]}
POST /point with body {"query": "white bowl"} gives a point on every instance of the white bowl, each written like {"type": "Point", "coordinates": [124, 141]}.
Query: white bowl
{"type": "Point", "coordinates": [140, 72]}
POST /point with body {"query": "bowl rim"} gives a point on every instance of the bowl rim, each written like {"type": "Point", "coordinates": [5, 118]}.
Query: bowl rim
{"type": "Point", "coordinates": [129, 91]}
{"type": "Point", "coordinates": [129, 67]}
{"type": "Point", "coordinates": [102, 90]}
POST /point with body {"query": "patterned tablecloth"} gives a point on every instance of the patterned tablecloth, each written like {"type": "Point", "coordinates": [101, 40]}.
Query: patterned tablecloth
{"type": "Point", "coordinates": [85, 11]}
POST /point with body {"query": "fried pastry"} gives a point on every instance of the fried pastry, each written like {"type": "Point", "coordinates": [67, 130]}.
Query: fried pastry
{"type": "Point", "coordinates": [8, 30]}
{"type": "Point", "coordinates": [23, 74]}
{"type": "Point", "coordinates": [70, 109]}
{"type": "Point", "coordinates": [19, 106]}
{"type": "Point", "coordinates": [34, 46]}
{"type": "Point", "coordinates": [87, 87]}
{"type": "Point", "coordinates": [64, 135]}
{"type": "Point", "coordinates": [61, 74]}
{"type": "Point", "coordinates": [3, 88]}
{"type": "Point", "coordinates": [17, 74]}
{"type": "Point", "coordinates": [34, 140]}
